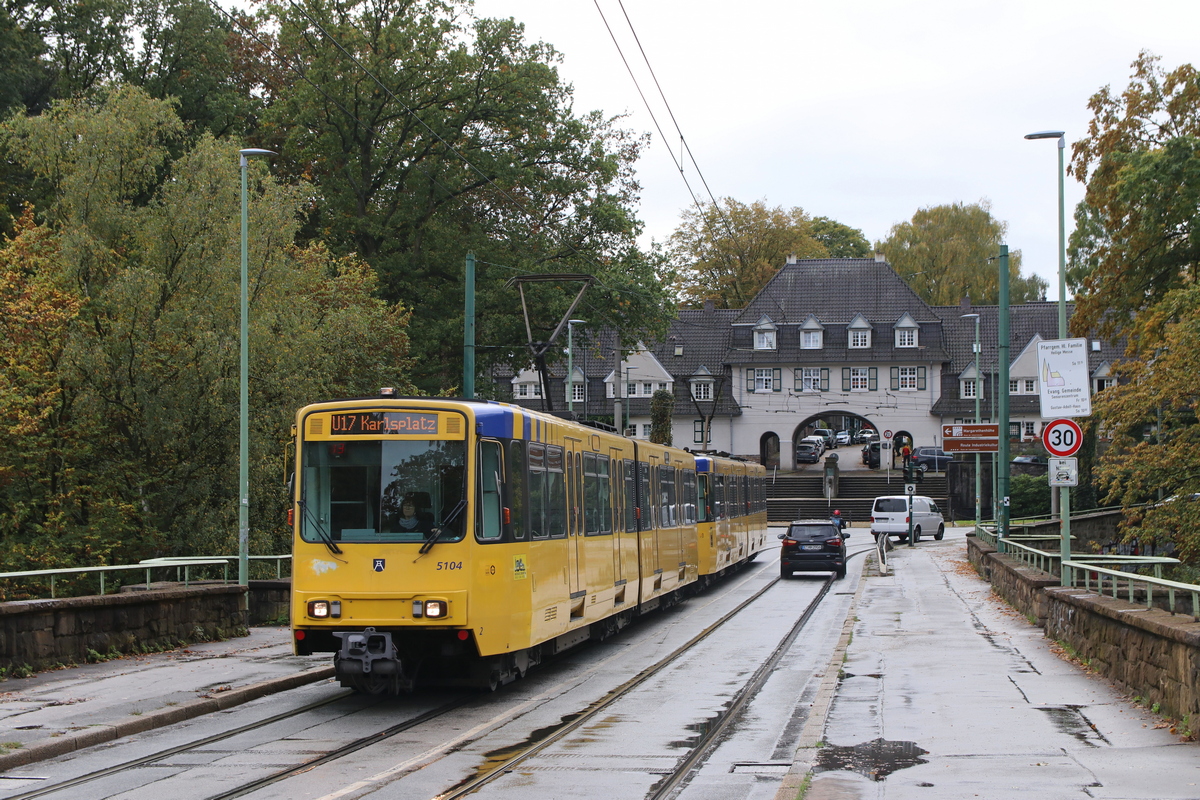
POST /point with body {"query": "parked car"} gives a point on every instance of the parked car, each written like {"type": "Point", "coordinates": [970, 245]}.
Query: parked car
{"type": "Point", "coordinates": [828, 437]}
{"type": "Point", "coordinates": [890, 513]}
{"type": "Point", "coordinates": [842, 437]}
{"type": "Point", "coordinates": [870, 455]}
{"type": "Point", "coordinates": [807, 452]}
{"type": "Point", "coordinates": [866, 435]}
{"type": "Point", "coordinates": [813, 545]}
{"type": "Point", "coordinates": [933, 458]}
{"type": "Point", "coordinates": [1029, 460]}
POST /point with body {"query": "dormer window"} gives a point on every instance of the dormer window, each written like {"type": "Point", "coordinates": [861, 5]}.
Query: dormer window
{"type": "Point", "coordinates": [764, 334]}
{"type": "Point", "coordinates": [812, 334]}
{"type": "Point", "coordinates": [907, 331]}
{"type": "Point", "coordinates": [859, 333]}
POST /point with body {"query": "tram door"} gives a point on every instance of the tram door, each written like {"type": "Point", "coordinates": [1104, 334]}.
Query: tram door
{"type": "Point", "coordinates": [576, 572]}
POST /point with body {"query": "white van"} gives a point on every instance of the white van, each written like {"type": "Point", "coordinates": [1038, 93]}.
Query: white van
{"type": "Point", "coordinates": [889, 516]}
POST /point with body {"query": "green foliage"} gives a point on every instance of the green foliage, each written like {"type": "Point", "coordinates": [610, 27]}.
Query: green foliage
{"type": "Point", "coordinates": [428, 134]}
{"type": "Point", "coordinates": [726, 253]}
{"type": "Point", "coordinates": [1029, 496]}
{"type": "Point", "coordinates": [662, 405]}
{"type": "Point", "coordinates": [841, 241]}
{"type": "Point", "coordinates": [947, 252]}
{"type": "Point", "coordinates": [1139, 252]}
{"type": "Point", "coordinates": [120, 441]}
{"type": "Point", "coordinates": [1141, 163]}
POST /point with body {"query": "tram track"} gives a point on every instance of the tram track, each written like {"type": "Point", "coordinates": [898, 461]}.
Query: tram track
{"type": "Point", "coordinates": [703, 745]}
{"type": "Point", "coordinates": [359, 744]}
{"type": "Point", "coordinates": [495, 770]}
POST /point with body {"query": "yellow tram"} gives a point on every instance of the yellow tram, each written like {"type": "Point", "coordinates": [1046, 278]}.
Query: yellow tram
{"type": "Point", "coordinates": [459, 541]}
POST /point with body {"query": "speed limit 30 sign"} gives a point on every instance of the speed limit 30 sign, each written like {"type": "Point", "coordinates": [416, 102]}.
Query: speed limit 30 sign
{"type": "Point", "coordinates": [1062, 438]}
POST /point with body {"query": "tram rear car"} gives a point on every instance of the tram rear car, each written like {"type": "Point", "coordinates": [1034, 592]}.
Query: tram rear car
{"type": "Point", "coordinates": [732, 512]}
{"type": "Point", "coordinates": [461, 541]}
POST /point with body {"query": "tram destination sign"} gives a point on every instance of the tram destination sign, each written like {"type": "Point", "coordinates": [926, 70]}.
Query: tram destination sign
{"type": "Point", "coordinates": [971, 438]}
{"type": "Point", "coordinates": [376, 423]}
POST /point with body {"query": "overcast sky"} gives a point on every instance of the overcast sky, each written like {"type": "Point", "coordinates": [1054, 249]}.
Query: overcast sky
{"type": "Point", "coordinates": [861, 111]}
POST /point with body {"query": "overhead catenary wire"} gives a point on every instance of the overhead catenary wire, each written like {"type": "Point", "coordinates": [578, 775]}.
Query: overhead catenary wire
{"type": "Point", "coordinates": [683, 141]}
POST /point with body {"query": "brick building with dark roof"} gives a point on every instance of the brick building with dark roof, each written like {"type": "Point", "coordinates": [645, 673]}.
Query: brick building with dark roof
{"type": "Point", "coordinates": [836, 343]}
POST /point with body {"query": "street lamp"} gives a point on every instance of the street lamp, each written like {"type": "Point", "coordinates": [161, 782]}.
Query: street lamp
{"type": "Point", "coordinates": [978, 385]}
{"type": "Point", "coordinates": [571, 365]}
{"type": "Point", "coordinates": [1062, 223]}
{"type": "Point", "coordinates": [1064, 492]}
{"type": "Point", "coordinates": [243, 390]}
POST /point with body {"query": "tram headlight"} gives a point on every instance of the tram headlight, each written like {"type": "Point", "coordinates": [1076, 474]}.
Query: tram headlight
{"type": "Point", "coordinates": [430, 609]}
{"type": "Point", "coordinates": [324, 609]}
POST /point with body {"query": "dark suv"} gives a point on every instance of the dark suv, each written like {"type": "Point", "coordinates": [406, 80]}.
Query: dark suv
{"type": "Point", "coordinates": [933, 458]}
{"type": "Point", "coordinates": [813, 545]}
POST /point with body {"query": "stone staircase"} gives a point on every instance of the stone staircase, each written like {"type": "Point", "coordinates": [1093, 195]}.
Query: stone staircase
{"type": "Point", "coordinates": [799, 496]}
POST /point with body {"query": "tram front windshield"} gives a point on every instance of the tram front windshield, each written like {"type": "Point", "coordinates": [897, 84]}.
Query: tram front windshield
{"type": "Point", "coordinates": [382, 491]}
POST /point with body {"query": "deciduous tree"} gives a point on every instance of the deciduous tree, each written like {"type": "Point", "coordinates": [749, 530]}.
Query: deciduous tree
{"type": "Point", "coordinates": [429, 134]}
{"type": "Point", "coordinates": [727, 252]}
{"type": "Point", "coordinates": [947, 252]}
{"type": "Point", "coordinates": [1141, 163]}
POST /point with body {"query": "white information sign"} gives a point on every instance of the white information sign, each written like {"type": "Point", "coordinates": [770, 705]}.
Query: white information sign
{"type": "Point", "coordinates": [1064, 471]}
{"type": "Point", "coordinates": [1063, 378]}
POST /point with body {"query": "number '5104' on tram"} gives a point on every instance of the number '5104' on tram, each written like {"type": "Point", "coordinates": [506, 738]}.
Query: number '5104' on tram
{"type": "Point", "coordinates": [461, 542]}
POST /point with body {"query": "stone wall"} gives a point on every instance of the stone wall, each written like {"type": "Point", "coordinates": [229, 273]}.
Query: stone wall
{"type": "Point", "coordinates": [40, 634]}
{"type": "Point", "coordinates": [271, 602]}
{"type": "Point", "coordinates": [1150, 653]}
{"type": "Point", "coordinates": [1019, 584]}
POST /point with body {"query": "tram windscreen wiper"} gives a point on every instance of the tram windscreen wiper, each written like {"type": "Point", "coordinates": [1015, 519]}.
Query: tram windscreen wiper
{"type": "Point", "coordinates": [322, 534]}
{"type": "Point", "coordinates": [437, 532]}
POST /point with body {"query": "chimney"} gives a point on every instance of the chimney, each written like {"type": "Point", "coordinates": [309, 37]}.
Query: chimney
{"type": "Point", "coordinates": [879, 259]}
{"type": "Point", "coordinates": [791, 259]}
{"type": "Point", "coordinates": [710, 306]}
{"type": "Point", "coordinates": [965, 303]}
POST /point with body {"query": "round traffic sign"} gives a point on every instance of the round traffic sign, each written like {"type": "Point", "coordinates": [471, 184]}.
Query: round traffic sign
{"type": "Point", "coordinates": [887, 434]}
{"type": "Point", "coordinates": [1062, 438]}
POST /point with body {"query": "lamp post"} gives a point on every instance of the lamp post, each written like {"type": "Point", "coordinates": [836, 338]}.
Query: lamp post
{"type": "Point", "coordinates": [1064, 492]}
{"type": "Point", "coordinates": [243, 386]}
{"type": "Point", "coordinates": [978, 384]}
{"type": "Point", "coordinates": [571, 365]}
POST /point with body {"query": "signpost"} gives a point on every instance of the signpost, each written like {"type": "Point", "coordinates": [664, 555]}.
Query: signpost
{"type": "Point", "coordinates": [1064, 379]}
{"type": "Point", "coordinates": [971, 438]}
{"type": "Point", "coordinates": [1062, 438]}
{"type": "Point", "coordinates": [1064, 471]}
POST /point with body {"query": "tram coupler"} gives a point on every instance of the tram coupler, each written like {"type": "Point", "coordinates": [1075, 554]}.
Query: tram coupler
{"type": "Point", "coordinates": [367, 652]}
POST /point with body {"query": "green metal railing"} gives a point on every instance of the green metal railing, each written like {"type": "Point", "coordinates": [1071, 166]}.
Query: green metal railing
{"type": "Point", "coordinates": [1086, 570]}
{"type": "Point", "coordinates": [1080, 574]}
{"type": "Point", "coordinates": [183, 567]}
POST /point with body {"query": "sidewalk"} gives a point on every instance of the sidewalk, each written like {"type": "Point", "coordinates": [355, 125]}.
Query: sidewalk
{"type": "Point", "coordinates": [946, 692]}
{"type": "Point", "coordinates": [57, 712]}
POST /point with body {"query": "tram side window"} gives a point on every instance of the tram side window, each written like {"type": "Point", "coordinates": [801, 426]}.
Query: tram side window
{"type": "Point", "coordinates": [537, 491]}
{"type": "Point", "coordinates": [745, 481]}
{"type": "Point", "coordinates": [606, 499]}
{"type": "Point", "coordinates": [597, 504]}
{"type": "Point", "coordinates": [703, 498]}
{"type": "Point", "coordinates": [556, 493]}
{"type": "Point", "coordinates": [718, 497]}
{"type": "Point", "coordinates": [591, 495]}
{"type": "Point", "coordinates": [627, 467]}
{"type": "Point", "coordinates": [516, 488]}
{"type": "Point", "coordinates": [666, 494]}
{"type": "Point", "coordinates": [646, 498]}
{"type": "Point", "coordinates": [689, 497]}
